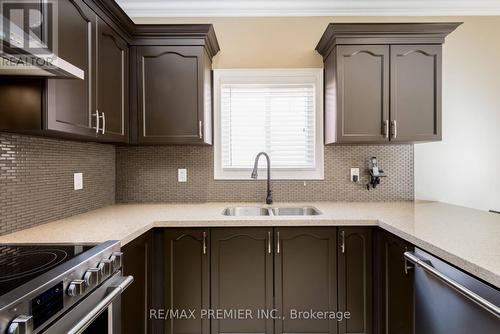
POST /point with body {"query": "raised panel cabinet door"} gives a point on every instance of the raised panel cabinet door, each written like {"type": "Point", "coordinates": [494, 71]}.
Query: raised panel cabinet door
{"type": "Point", "coordinates": [69, 101]}
{"type": "Point", "coordinates": [362, 93]}
{"type": "Point", "coordinates": [242, 279]}
{"type": "Point", "coordinates": [170, 94]}
{"type": "Point", "coordinates": [394, 311]}
{"type": "Point", "coordinates": [112, 83]}
{"type": "Point", "coordinates": [305, 279]}
{"type": "Point", "coordinates": [355, 279]}
{"type": "Point", "coordinates": [135, 299]}
{"type": "Point", "coordinates": [415, 92]}
{"type": "Point", "coordinates": [187, 280]}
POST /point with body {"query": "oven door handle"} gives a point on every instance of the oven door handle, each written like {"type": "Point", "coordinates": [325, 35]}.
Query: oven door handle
{"type": "Point", "coordinates": [115, 291]}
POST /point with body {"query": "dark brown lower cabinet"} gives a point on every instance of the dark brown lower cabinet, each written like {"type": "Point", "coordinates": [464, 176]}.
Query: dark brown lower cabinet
{"type": "Point", "coordinates": [394, 300]}
{"type": "Point", "coordinates": [243, 275]}
{"type": "Point", "coordinates": [305, 278]}
{"type": "Point", "coordinates": [135, 299]}
{"type": "Point", "coordinates": [355, 279]}
{"type": "Point", "coordinates": [242, 278]}
{"type": "Point", "coordinates": [187, 279]}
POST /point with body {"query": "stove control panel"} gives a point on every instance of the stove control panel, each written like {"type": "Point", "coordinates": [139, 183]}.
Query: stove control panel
{"type": "Point", "coordinates": [76, 288]}
{"type": "Point", "coordinates": [117, 260]}
{"type": "Point", "coordinates": [21, 325]}
{"type": "Point", "coordinates": [92, 277]}
{"type": "Point", "coordinates": [67, 287]}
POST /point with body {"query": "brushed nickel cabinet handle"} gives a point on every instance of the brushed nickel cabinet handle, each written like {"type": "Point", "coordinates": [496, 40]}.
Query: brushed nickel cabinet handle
{"type": "Point", "coordinates": [269, 250]}
{"type": "Point", "coordinates": [386, 129]}
{"type": "Point", "coordinates": [278, 249]}
{"type": "Point", "coordinates": [103, 123]}
{"type": "Point", "coordinates": [200, 129]}
{"type": "Point", "coordinates": [204, 243]}
{"type": "Point", "coordinates": [342, 242]}
{"type": "Point", "coordinates": [97, 121]}
{"type": "Point", "coordinates": [394, 126]}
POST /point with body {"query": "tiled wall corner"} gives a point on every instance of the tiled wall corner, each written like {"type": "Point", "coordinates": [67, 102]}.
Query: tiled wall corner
{"type": "Point", "coordinates": [36, 179]}
{"type": "Point", "coordinates": [149, 174]}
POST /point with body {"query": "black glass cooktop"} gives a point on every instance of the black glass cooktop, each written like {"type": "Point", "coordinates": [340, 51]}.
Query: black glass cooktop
{"type": "Point", "coordinates": [22, 263]}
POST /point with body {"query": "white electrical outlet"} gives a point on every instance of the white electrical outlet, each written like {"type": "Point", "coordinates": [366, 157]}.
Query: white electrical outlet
{"type": "Point", "coordinates": [78, 181]}
{"type": "Point", "coordinates": [182, 175]}
{"type": "Point", "coordinates": [355, 174]}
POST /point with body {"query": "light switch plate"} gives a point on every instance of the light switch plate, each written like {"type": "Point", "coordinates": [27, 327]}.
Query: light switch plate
{"type": "Point", "coordinates": [355, 174]}
{"type": "Point", "coordinates": [182, 175]}
{"type": "Point", "coordinates": [78, 181]}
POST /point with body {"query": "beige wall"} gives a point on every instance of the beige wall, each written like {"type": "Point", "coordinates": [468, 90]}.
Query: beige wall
{"type": "Point", "coordinates": [273, 42]}
{"type": "Point", "coordinates": [465, 167]}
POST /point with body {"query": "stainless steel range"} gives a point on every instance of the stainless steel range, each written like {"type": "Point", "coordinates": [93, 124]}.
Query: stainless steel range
{"type": "Point", "coordinates": [61, 288]}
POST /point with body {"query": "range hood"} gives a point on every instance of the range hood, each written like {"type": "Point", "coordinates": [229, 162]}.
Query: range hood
{"type": "Point", "coordinates": [17, 60]}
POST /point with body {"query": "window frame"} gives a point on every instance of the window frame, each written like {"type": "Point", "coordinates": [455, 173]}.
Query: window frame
{"type": "Point", "coordinates": [270, 76]}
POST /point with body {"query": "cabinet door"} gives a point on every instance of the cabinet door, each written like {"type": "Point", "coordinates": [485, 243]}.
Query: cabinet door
{"type": "Point", "coordinates": [187, 276]}
{"type": "Point", "coordinates": [394, 294]}
{"type": "Point", "coordinates": [135, 299]}
{"type": "Point", "coordinates": [355, 279]}
{"type": "Point", "coordinates": [69, 101]}
{"type": "Point", "coordinates": [415, 92]}
{"type": "Point", "coordinates": [242, 278]}
{"type": "Point", "coordinates": [112, 83]}
{"type": "Point", "coordinates": [362, 93]}
{"type": "Point", "coordinates": [170, 94]}
{"type": "Point", "coordinates": [305, 278]}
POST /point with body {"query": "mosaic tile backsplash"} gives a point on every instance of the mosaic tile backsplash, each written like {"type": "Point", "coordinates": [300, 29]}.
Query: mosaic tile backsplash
{"type": "Point", "coordinates": [36, 179]}
{"type": "Point", "coordinates": [149, 174]}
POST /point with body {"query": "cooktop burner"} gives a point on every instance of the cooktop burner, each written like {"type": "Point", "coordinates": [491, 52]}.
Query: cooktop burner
{"type": "Point", "coordinates": [21, 263]}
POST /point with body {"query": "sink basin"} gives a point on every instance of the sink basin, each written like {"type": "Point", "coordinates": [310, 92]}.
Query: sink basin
{"type": "Point", "coordinates": [258, 211]}
{"type": "Point", "coordinates": [304, 211]}
{"type": "Point", "coordinates": [246, 211]}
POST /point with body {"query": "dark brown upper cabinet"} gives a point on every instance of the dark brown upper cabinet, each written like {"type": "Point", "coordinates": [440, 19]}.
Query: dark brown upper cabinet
{"type": "Point", "coordinates": [112, 84]}
{"type": "Point", "coordinates": [362, 76]}
{"type": "Point", "coordinates": [355, 288]}
{"type": "Point", "coordinates": [415, 93]}
{"type": "Point", "coordinates": [69, 101]}
{"type": "Point", "coordinates": [174, 85]}
{"type": "Point", "coordinates": [383, 81]}
{"type": "Point", "coordinates": [393, 283]}
{"type": "Point", "coordinates": [242, 278]}
{"type": "Point", "coordinates": [95, 108]}
{"type": "Point", "coordinates": [146, 84]}
{"type": "Point", "coordinates": [305, 278]}
{"type": "Point", "coordinates": [187, 279]}
{"type": "Point", "coordinates": [171, 95]}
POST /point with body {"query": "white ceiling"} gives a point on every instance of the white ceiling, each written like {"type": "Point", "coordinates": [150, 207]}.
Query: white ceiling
{"type": "Point", "coordinates": [216, 8]}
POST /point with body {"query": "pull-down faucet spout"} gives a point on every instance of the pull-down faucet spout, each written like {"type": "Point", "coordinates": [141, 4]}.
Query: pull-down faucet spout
{"type": "Point", "coordinates": [269, 197]}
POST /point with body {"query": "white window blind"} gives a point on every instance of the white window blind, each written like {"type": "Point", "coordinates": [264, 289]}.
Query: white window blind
{"type": "Point", "coordinates": [277, 111]}
{"type": "Point", "coordinates": [277, 119]}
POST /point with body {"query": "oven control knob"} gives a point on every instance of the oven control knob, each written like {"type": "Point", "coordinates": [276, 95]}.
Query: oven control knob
{"type": "Point", "coordinates": [23, 324]}
{"type": "Point", "coordinates": [76, 288]}
{"type": "Point", "coordinates": [106, 267]}
{"type": "Point", "coordinates": [116, 258]}
{"type": "Point", "coordinates": [92, 277]}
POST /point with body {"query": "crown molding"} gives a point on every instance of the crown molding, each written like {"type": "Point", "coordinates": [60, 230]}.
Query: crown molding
{"type": "Point", "coordinates": [384, 33]}
{"type": "Point", "coordinates": [239, 8]}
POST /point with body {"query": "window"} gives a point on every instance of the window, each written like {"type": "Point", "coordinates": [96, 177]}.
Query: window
{"type": "Point", "coordinates": [279, 112]}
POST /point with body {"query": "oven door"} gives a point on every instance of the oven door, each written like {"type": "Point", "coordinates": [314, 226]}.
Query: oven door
{"type": "Point", "coordinates": [98, 313]}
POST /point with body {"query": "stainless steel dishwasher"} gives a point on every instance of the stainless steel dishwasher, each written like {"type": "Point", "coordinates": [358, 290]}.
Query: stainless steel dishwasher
{"type": "Point", "coordinates": [447, 300]}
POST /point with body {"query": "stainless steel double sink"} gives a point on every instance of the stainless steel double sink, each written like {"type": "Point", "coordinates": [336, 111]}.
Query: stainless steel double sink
{"type": "Point", "coordinates": [277, 211]}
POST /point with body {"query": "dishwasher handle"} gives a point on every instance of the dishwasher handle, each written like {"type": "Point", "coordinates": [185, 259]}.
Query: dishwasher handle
{"type": "Point", "coordinates": [115, 291]}
{"type": "Point", "coordinates": [427, 266]}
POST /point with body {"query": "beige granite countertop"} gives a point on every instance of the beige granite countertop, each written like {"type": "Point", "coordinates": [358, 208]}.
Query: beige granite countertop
{"type": "Point", "coordinates": [467, 238]}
